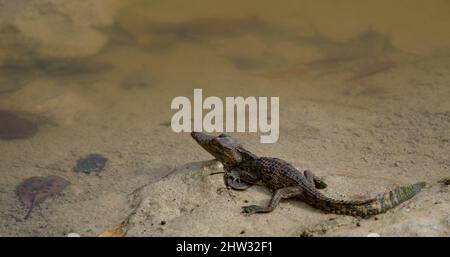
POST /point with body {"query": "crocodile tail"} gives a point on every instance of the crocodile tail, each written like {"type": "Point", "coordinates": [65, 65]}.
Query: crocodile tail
{"type": "Point", "coordinates": [384, 202]}
{"type": "Point", "coordinates": [366, 208]}
{"type": "Point", "coordinates": [391, 199]}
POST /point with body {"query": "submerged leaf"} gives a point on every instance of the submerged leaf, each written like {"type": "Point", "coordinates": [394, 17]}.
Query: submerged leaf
{"type": "Point", "coordinates": [12, 126]}
{"type": "Point", "coordinates": [120, 231]}
{"type": "Point", "coordinates": [35, 190]}
{"type": "Point", "coordinates": [91, 163]}
{"type": "Point", "coordinates": [112, 233]}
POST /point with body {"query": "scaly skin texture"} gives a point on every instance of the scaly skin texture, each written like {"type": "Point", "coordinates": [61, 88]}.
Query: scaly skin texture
{"type": "Point", "coordinates": [243, 168]}
{"type": "Point", "coordinates": [228, 151]}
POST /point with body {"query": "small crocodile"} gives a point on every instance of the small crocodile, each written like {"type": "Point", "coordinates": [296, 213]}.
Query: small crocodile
{"type": "Point", "coordinates": [243, 169]}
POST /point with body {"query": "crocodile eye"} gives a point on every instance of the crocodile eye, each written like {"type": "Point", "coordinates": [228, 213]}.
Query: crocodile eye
{"type": "Point", "coordinates": [219, 141]}
{"type": "Point", "coordinates": [228, 141]}
{"type": "Point", "coordinates": [224, 135]}
{"type": "Point", "coordinates": [215, 141]}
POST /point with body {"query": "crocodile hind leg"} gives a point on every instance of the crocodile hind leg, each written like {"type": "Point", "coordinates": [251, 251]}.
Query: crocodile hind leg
{"type": "Point", "coordinates": [282, 193]}
{"type": "Point", "coordinates": [239, 179]}
{"type": "Point", "coordinates": [314, 180]}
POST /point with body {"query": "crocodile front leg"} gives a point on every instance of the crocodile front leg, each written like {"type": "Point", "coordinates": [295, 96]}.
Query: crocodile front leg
{"type": "Point", "coordinates": [239, 179]}
{"type": "Point", "coordinates": [314, 180]}
{"type": "Point", "coordinates": [282, 193]}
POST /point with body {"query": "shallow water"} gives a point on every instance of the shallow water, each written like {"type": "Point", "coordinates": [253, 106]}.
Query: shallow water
{"type": "Point", "coordinates": [363, 85]}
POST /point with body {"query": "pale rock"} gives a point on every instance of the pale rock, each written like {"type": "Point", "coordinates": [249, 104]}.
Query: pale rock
{"type": "Point", "coordinates": [423, 226]}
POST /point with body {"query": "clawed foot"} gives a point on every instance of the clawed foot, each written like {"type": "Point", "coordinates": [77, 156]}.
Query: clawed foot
{"type": "Point", "coordinates": [320, 184]}
{"type": "Point", "coordinates": [232, 180]}
{"type": "Point", "coordinates": [252, 209]}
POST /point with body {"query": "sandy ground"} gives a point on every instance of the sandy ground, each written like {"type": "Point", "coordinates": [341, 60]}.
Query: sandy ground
{"type": "Point", "coordinates": [195, 203]}
{"type": "Point", "coordinates": [365, 107]}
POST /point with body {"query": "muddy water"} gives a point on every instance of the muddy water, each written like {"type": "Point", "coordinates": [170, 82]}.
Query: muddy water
{"type": "Point", "coordinates": [363, 85]}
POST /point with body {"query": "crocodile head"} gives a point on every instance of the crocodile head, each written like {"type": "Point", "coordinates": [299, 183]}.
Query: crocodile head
{"type": "Point", "coordinates": [223, 147]}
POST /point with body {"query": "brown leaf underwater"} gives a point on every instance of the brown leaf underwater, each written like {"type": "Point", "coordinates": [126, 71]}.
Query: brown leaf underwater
{"type": "Point", "coordinates": [35, 190]}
